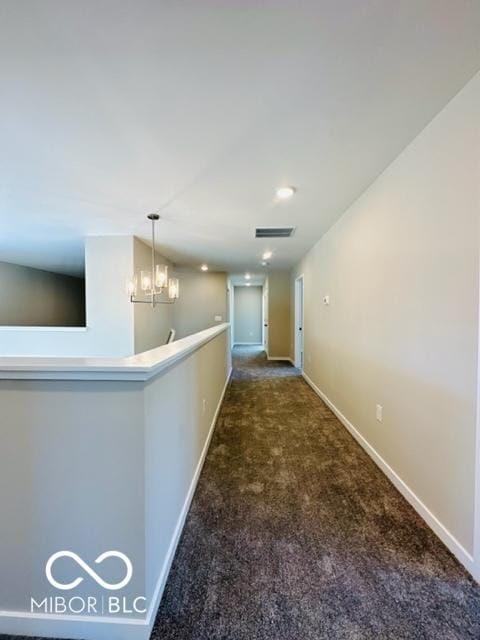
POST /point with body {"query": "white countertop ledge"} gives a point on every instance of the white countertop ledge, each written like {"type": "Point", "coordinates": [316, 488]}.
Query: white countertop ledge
{"type": "Point", "coordinates": [139, 367]}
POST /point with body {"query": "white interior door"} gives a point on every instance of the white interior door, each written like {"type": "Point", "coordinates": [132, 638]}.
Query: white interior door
{"type": "Point", "coordinates": [299, 330]}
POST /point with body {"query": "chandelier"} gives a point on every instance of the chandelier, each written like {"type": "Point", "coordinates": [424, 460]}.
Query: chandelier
{"type": "Point", "coordinates": [147, 286]}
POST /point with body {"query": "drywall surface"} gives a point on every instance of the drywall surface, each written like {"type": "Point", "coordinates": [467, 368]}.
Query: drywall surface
{"type": "Point", "coordinates": [91, 466]}
{"type": "Point", "coordinates": [202, 297]}
{"type": "Point", "coordinates": [151, 324]}
{"type": "Point", "coordinates": [180, 408]}
{"type": "Point", "coordinates": [110, 324]}
{"type": "Point", "coordinates": [32, 297]}
{"type": "Point", "coordinates": [247, 324]}
{"type": "Point", "coordinates": [401, 268]}
{"type": "Point", "coordinates": [279, 303]}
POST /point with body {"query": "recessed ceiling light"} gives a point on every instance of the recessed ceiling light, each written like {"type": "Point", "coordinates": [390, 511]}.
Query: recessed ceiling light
{"type": "Point", "coordinates": [285, 192]}
{"type": "Point", "coordinates": [204, 267]}
{"type": "Point", "coordinates": [247, 284]}
{"type": "Point", "coordinates": [267, 255]}
{"type": "Point", "coordinates": [247, 276]}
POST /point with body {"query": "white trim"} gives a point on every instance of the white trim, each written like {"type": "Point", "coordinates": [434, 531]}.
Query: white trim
{"type": "Point", "coordinates": [299, 339]}
{"type": "Point", "coordinates": [142, 366]}
{"type": "Point", "coordinates": [51, 329]}
{"type": "Point", "coordinates": [432, 521]}
{"type": "Point", "coordinates": [103, 627]}
{"type": "Point", "coordinates": [162, 579]}
{"type": "Point", "coordinates": [476, 510]}
{"type": "Point", "coordinates": [243, 344]}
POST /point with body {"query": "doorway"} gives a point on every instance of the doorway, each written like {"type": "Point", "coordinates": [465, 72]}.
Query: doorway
{"type": "Point", "coordinates": [299, 330]}
{"type": "Point", "coordinates": [247, 312]}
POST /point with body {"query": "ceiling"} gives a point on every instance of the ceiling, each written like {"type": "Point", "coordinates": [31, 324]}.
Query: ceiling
{"type": "Point", "coordinates": [199, 110]}
{"type": "Point", "coordinates": [255, 280]}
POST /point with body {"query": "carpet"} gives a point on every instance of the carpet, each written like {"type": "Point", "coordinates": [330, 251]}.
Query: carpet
{"type": "Point", "coordinates": [295, 534]}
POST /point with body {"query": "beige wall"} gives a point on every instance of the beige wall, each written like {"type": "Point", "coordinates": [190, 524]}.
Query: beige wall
{"type": "Point", "coordinates": [33, 297]}
{"type": "Point", "coordinates": [279, 333]}
{"type": "Point", "coordinates": [247, 312]}
{"type": "Point", "coordinates": [115, 463]}
{"type": "Point", "coordinates": [401, 268]}
{"type": "Point", "coordinates": [202, 297]}
{"type": "Point", "coordinates": [151, 325]}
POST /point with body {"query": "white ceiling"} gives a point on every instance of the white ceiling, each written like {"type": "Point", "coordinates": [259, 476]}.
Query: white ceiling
{"type": "Point", "coordinates": [112, 109]}
{"type": "Point", "coordinates": [239, 280]}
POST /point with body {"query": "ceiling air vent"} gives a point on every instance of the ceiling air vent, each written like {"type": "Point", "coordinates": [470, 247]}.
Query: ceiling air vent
{"type": "Point", "coordinates": [274, 232]}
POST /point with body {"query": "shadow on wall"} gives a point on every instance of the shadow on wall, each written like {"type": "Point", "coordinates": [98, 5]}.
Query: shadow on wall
{"type": "Point", "coordinates": [36, 298]}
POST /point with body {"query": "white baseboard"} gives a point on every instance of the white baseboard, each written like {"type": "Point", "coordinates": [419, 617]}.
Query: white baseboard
{"type": "Point", "coordinates": [432, 521]}
{"type": "Point", "coordinates": [162, 579]}
{"type": "Point", "coordinates": [79, 627]}
{"type": "Point", "coordinates": [83, 627]}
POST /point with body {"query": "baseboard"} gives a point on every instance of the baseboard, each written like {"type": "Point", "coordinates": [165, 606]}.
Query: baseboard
{"type": "Point", "coordinates": [83, 627]}
{"type": "Point", "coordinates": [280, 358]}
{"type": "Point", "coordinates": [158, 591]}
{"type": "Point", "coordinates": [79, 627]}
{"type": "Point", "coordinates": [246, 344]}
{"type": "Point", "coordinates": [432, 521]}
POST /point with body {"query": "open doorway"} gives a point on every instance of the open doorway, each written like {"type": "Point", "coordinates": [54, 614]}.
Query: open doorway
{"type": "Point", "coordinates": [299, 331]}
{"type": "Point", "coordinates": [247, 315]}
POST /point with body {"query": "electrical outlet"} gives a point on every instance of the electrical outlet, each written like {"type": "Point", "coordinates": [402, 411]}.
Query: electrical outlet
{"type": "Point", "coordinates": [326, 300]}
{"type": "Point", "coordinates": [218, 318]}
{"type": "Point", "coordinates": [204, 405]}
{"type": "Point", "coordinates": [379, 413]}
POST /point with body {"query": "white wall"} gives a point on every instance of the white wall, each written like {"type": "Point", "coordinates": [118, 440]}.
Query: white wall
{"type": "Point", "coordinates": [247, 324]}
{"type": "Point", "coordinates": [110, 330]}
{"type": "Point", "coordinates": [115, 326]}
{"type": "Point", "coordinates": [401, 268]}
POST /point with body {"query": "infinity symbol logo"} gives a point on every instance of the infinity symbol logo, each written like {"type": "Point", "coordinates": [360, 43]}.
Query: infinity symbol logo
{"type": "Point", "coordinates": [87, 569]}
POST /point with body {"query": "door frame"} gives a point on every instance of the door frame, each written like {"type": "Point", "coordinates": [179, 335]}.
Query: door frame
{"type": "Point", "coordinates": [265, 318]}
{"type": "Point", "coordinates": [299, 334]}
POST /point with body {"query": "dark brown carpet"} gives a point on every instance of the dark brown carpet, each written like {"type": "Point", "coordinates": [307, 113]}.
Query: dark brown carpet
{"type": "Point", "coordinates": [295, 534]}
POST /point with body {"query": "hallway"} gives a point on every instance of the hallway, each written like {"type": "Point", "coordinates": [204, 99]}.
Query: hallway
{"type": "Point", "coordinates": [294, 533]}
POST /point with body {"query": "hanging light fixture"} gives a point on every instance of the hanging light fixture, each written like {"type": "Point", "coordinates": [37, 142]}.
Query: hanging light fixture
{"type": "Point", "coordinates": [150, 285]}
